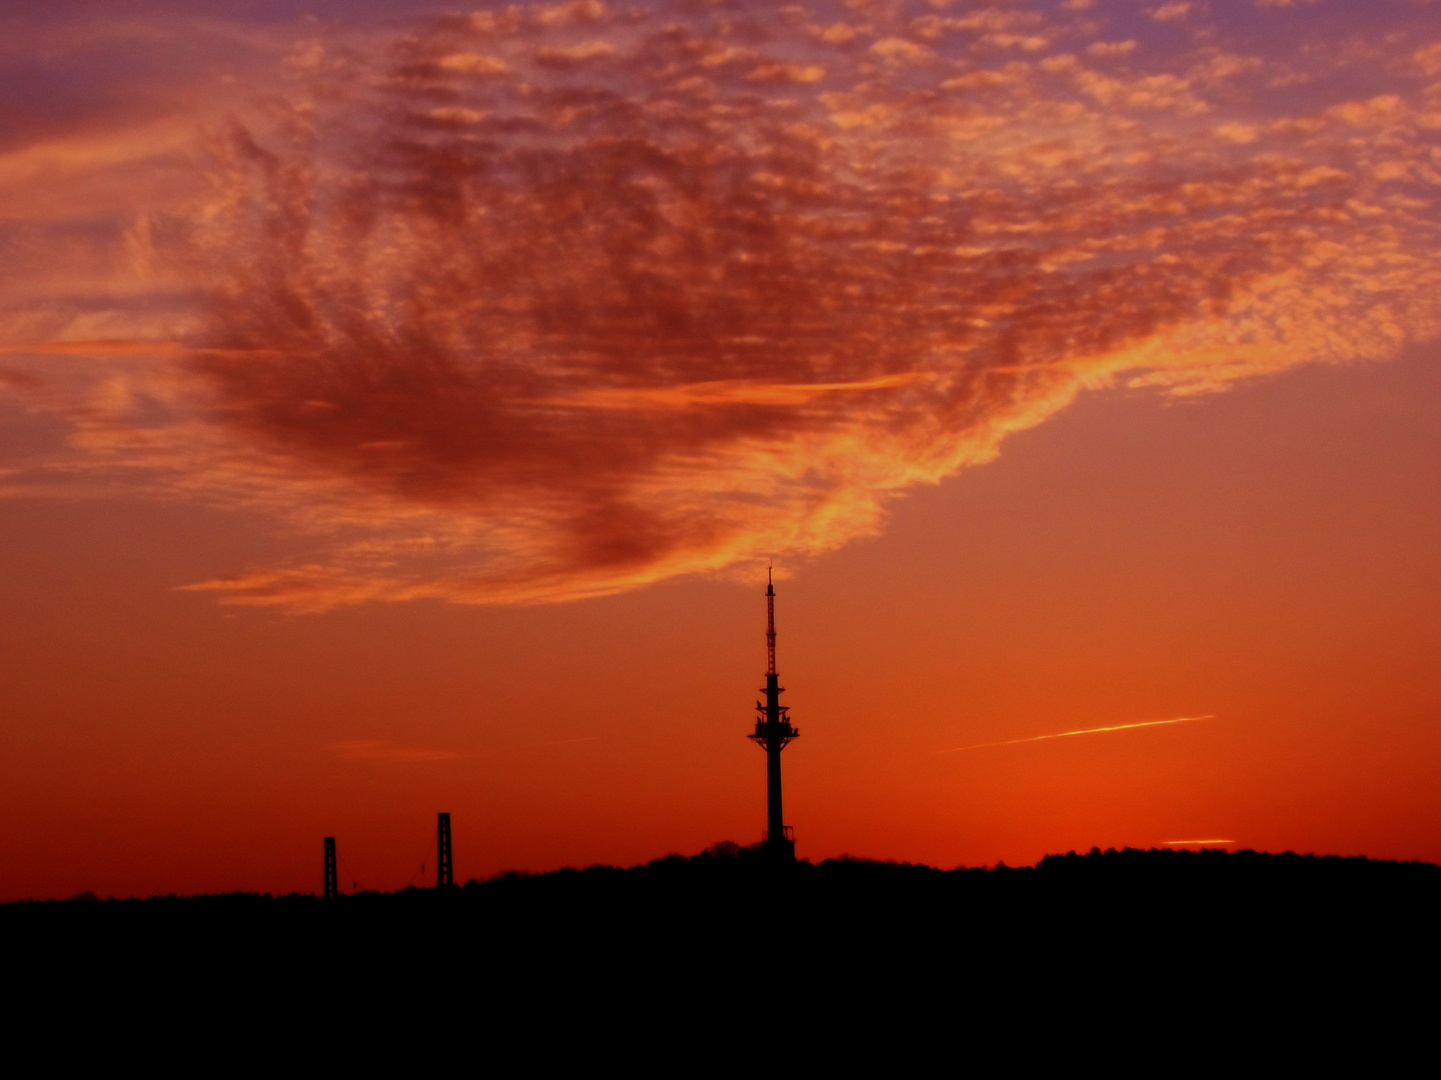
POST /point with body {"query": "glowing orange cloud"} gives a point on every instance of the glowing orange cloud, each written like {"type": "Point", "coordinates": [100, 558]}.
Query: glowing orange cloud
{"type": "Point", "coordinates": [553, 301]}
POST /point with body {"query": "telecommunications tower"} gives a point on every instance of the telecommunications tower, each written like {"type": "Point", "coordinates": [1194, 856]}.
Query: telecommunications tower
{"type": "Point", "coordinates": [774, 733]}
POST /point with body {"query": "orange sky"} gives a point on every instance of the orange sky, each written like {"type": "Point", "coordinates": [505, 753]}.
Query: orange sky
{"type": "Point", "coordinates": [394, 417]}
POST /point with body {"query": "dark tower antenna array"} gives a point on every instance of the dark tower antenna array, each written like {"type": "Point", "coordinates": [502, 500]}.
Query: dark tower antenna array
{"type": "Point", "coordinates": [774, 733]}
{"type": "Point", "coordinates": [444, 872]}
{"type": "Point", "coordinates": [332, 886]}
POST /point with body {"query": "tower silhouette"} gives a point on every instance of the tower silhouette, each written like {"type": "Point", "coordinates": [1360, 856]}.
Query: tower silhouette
{"type": "Point", "coordinates": [332, 887]}
{"type": "Point", "coordinates": [774, 733]}
{"type": "Point", "coordinates": [444, 874]}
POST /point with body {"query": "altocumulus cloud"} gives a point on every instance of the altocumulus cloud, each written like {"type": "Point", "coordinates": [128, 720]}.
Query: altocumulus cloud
{"type": "Point", "coordinates": [536, 303]}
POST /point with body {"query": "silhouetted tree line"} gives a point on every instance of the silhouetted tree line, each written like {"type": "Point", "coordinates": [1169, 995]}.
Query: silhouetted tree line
{"type": "Point", "coordinates": [1155, 929]}
{"type": "Point", "coordinates": [728, 872]}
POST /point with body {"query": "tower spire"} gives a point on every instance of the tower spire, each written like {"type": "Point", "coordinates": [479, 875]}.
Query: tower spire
{"type": "Point", "coordinates": [774, 733]}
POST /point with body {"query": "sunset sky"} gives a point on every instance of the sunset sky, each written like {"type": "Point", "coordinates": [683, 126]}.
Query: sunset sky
{"type": "Point", "coordinates": [400, 404]}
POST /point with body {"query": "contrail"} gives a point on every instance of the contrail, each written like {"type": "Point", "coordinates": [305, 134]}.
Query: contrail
{"type": "Point", "coordinates": [1086, 731]}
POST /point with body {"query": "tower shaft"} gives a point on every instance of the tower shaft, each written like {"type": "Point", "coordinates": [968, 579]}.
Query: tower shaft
{"type": "Point", "coordinates": [775, 812]}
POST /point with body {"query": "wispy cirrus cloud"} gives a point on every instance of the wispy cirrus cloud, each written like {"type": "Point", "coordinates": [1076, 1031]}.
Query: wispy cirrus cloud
{"type": "Point", "coordinates": [541, 302]}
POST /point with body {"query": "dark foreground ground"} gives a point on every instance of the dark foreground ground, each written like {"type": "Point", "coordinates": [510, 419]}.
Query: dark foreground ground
{"type": "Point", "coordinates": [1135, 937]}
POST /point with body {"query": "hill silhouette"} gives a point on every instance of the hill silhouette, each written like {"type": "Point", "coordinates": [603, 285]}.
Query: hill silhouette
{"type": "Point", "coordinates": [1156, 929]}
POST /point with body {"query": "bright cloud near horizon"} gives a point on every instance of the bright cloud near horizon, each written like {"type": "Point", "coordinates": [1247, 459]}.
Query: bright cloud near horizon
{"type": "Point", "coordinates": [536, 302]}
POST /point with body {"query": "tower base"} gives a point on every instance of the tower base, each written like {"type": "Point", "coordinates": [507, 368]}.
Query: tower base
{"type": "Point", "coordinates": [781, 848]}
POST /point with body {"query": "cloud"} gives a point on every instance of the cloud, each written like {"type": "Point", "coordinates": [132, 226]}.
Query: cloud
{"type": "Point", "coordinates": [1106, 49]}
{"type": "Point", "coordinates": [1171, 12]}
{"type": "Point", "coordinates": [469, 63]}
{"type": "Point", "coordinates": [490, 313]}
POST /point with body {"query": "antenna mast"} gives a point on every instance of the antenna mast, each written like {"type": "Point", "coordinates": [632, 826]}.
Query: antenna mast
{"type": "Point", "coordinates": [770, 624]}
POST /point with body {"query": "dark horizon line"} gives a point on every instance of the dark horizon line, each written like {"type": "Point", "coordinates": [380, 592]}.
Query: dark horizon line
{"type": "Point", "coordinates": [731, 852]}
